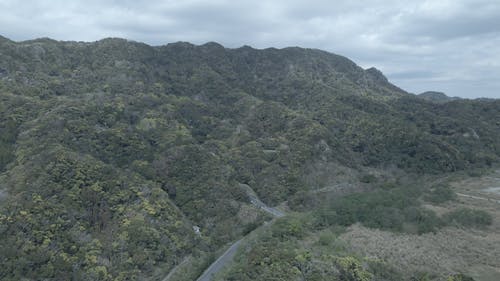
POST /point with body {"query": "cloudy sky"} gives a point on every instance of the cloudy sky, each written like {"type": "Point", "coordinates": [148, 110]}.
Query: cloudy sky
{"type": "Point", "coordinates": [451, 46]}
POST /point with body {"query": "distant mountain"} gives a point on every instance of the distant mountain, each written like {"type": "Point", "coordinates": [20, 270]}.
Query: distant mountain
{"type": "Point", "coordinates": [436, 96]}
{"type": "Point", "coordinates": [112, 152]}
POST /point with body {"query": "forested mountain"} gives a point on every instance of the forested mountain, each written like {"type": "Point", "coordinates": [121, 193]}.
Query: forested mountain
{"type": "Point", "coordinates": [110, 152]}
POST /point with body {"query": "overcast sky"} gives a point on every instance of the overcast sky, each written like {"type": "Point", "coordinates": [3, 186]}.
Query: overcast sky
{"type": "Point", "coordinates": [450, 46]}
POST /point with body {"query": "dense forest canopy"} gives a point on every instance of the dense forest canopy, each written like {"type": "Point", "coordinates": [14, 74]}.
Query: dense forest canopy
{"type": "Point", "coordinates": [110, 152]}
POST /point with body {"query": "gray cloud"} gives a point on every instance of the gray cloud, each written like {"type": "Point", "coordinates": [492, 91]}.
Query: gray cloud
{"type": "Point", "coordinates": [448, 45]}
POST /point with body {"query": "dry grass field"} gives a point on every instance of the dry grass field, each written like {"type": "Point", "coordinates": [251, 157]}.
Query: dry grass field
{"type": "Point", "coordinates": [471, 251]}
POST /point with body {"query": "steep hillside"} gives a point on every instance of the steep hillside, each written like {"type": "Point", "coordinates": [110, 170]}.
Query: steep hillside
{"type": "Point", "coordinates": [110, 152]}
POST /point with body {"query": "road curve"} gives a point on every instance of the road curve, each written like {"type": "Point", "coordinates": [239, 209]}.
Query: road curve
{"type": "Point", "coordinates": [254, 199]}
{"type": "Point", "coordinates": [228, 255]}
{"type": "Point", "coordinates": [259, 204]}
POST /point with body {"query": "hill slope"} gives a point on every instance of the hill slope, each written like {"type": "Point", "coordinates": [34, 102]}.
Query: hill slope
{"type": "Point", "coordinates": [436, 96]}
{"type": "Point", "coordinates": [110, 152]}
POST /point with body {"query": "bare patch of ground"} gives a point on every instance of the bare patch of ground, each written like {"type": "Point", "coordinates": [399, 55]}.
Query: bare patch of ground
{"type": "Point", "coordinates": [486, 186]}
{"type": "Point", "coordinates": [493, 189]}
{"type": "Point", "coordinates": [478, 196]}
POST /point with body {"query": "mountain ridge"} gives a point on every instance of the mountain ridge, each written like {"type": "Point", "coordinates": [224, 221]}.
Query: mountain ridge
{"type": "Point", "coordinates": [345, 64]}
{"type": "Point", "coordinates": [119, 139]}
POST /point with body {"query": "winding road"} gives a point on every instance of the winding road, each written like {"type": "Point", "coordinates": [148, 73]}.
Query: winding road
{"type": "Point", "coordinates": [229, 254]}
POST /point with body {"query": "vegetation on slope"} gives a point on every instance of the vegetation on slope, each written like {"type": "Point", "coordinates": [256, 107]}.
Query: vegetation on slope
{"type": "Point", "coordinates": [110, 152]}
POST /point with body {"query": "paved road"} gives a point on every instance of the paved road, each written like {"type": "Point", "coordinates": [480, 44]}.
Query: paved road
{"type": "Point", "coordinates": [254, 199]}
{"type": "Point", "coordinates": [220, 262]}
{"type": "Point", "coordinates": [259, 204]}
{"type": "Point", "coordinates": [228, 255]}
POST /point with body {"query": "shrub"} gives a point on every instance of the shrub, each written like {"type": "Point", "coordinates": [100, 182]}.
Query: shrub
{"type": "Point", "coordinates": [368, 178]}
{"type": "Point", "coordinates": [287, 227]}
{"type": "Point", "coordinates": [383, 271]}
{"type": "Point", "coordinates": [469, 218]}
{"type": "Point", "coordinates": [440, 194]}
{"type": "Point", "coordinates": [396, 209]}
{"type": "Point", "coordinates": [459, 277]}
{"type": "Point", "coordinates": [424, 220]}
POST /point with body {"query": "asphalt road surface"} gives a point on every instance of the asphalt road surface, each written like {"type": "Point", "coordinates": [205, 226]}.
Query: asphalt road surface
{"type": "Point", "coordinates": [228, 255]}
{"type": "Point", "coordinates": [220, 262]}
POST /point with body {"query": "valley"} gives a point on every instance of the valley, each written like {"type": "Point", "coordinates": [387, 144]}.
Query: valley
{"type": "Point", "coordinates": [124, 161]}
